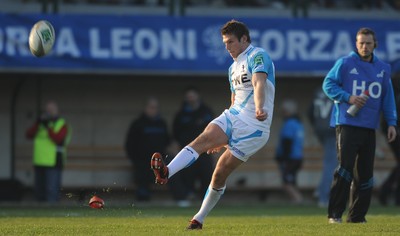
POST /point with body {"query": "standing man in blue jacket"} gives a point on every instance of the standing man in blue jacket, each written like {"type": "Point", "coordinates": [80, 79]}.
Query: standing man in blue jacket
{"type": "Point", "coordinates": [350, 77]}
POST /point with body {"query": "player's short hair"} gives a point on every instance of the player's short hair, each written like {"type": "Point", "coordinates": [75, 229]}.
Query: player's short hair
{"type": "Point", "coordinates": [367, 31]}
{"type": "Point", "coordinates": [236, 28]}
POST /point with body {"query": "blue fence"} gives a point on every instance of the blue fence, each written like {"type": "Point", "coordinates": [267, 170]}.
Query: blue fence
{"type": "Point", "coordinates": [163, 44]}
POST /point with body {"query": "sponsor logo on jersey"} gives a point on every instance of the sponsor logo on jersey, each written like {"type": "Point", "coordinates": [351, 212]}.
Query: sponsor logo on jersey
{"type": "Point", "coordinates": [258, 60]}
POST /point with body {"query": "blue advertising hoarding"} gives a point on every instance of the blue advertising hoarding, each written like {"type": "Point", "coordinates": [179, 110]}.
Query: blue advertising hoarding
{"type": "Point", "coordinates": [163, 44]}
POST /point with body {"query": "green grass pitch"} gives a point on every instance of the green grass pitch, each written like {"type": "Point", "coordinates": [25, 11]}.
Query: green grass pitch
{"type": "Point", "coordinates": [260, 219]}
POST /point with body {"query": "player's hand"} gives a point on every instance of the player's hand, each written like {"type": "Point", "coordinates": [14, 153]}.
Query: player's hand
{"type": "Point", "coordinates": [359, 101]}
{"type": "Point", "coordinates": [391, 134]}
{"type": "Point", "coordinates": [261, 115]}
{"type": "Point", "coordinates": [214, 150]}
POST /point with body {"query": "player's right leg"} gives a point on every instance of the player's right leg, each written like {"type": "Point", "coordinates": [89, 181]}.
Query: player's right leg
{"type": "Point", "coordinates": [212, 137]}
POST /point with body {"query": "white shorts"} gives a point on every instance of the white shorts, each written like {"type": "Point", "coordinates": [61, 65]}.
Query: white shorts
{"type": "Point", "coordinates": [243, 140]}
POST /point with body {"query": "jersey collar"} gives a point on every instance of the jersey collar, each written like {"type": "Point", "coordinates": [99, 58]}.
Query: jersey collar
{"type": "Point", "coordinates": [245, 52]}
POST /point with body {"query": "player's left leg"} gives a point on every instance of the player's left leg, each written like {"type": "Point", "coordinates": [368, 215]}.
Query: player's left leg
{"type": "Point", "coordinates": [363, 181]}
{"type": "Point", "coordinates": [226, 164]}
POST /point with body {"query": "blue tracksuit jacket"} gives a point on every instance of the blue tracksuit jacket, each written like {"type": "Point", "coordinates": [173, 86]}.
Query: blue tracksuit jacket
{"type": "Point", "coordinates": [352, 76]}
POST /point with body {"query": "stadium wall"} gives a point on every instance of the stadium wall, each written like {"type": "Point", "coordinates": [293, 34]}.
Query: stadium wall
{"type": "Point", "coordinates": [100, 109]}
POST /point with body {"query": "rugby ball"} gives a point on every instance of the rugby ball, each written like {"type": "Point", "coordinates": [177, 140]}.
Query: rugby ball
{"type": "Point", "coordinates": [96, 202]}
{"type": "Point", "coordinates": [41, 38]}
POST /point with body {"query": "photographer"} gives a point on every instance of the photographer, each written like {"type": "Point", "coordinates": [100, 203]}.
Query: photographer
{"type": "Point", "coordinates": [50, 135]}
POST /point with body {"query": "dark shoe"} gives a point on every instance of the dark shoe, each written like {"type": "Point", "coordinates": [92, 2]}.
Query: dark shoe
{"type": "Point", "coordinates": [159, 168]}
{"type": "Point", "coordinates": [194, 224]}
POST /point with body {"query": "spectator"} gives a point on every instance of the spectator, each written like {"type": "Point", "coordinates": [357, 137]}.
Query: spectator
{"type": "Point", "coordinates": [289, 153]}
{"type": "Point", "coordinates": [319, 116]}
{"type": "Point", "coordinates": [189, 122]}
{"type": "Point", "coordinates": [392, 182]}
{"type": "Point", "coordinates": [147, 133]}
{"type": "Point", "coordinates": [353, 76]}
{"type": "Point", "coordinates": [51, 135]}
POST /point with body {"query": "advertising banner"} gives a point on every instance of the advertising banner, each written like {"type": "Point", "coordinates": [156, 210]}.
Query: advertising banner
{"type": "Point", "coordinates": [187, 45]}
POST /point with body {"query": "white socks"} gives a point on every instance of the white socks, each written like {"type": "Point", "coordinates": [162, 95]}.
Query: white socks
{"type": "Point", "coordinates": [210, 200]}
{"type": "Point", "coordinates": [183, 159]}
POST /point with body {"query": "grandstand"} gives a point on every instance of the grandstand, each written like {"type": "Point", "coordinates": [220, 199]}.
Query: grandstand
{"type": "Point", "coordinates": [103, 91]}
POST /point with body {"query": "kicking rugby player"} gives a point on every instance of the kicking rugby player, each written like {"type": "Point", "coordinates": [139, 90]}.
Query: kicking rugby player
{"type": "Point", "coordinates": [243, 129]}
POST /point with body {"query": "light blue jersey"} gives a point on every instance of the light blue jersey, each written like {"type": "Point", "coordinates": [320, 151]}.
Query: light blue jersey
{"type": "Point", "coordinates": [250, 61]}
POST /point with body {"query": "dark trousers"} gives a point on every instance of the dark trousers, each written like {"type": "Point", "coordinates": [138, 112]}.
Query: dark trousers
{"type": "Point", "coordinates": [354, 176]}
{"type": "Point", "coordinates": [47, 183]}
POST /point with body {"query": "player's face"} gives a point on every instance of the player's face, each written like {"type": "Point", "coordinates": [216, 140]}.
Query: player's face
{"type": "Point", "coordinates": [233, 45]}
{"type": "Point", "coordinates": [365, 46]}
